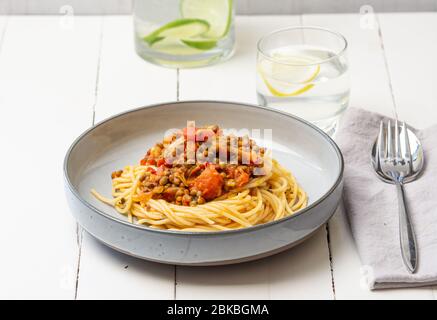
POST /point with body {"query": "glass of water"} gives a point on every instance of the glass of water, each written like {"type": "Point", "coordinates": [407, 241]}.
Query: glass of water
{"type": "Point", "coordinates": [184, 33]}
{"type": "Point", "coordinates": [304, 71]}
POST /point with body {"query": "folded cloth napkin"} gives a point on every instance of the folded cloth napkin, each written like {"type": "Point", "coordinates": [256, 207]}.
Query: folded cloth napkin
{"type": "Point", "coordinates": [372, 208]}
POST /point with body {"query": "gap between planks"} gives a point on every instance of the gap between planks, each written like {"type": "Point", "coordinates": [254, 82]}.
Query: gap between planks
{"type": "Point", "coordinates": [331, 259]}
{"type": "Point", "coordinates": [387, 69]}
{"type": "Point", "coordinates": [79, 229]}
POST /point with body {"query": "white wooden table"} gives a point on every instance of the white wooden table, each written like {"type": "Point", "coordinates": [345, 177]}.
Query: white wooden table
{"type": "Point", "coordinates": [57, 79]}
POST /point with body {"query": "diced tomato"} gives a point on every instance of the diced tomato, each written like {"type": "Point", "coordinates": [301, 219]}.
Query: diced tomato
{"type": "Point", "coordinates": [151, 162]}
{"type": "Point", "coordinates": [150, 169]}
{"type": "Point", "coordinates": [160, 162]}
{"type": "Point", "coordinates": [209, 182]}
{"type": "Point", "coordinates": [185, 201]}
{"type": "Point", "coordinates": [148, 161]}
{"type": "Point", "coordinates": [241, 177]}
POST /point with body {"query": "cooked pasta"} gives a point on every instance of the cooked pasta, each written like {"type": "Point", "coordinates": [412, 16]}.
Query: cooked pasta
{"type": "Point", "coordinates": [213, 198]}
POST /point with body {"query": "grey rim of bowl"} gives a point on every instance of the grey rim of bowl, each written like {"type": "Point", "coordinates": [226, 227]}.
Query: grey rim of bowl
{"type": "Point", "coordinates": [203, 233]}
{"type": "Point", "coordinates": [337, 54]}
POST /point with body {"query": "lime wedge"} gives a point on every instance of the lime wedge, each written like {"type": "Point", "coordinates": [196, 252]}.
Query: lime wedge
{"type": "Point", "coordinates": [201, 44]}
{"type": "Point", "coordinates": [218, 13]}
{"type": "Point", "coordinates": [178, 29]}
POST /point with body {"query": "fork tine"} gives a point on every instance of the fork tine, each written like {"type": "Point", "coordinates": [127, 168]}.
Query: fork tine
{"type": "Point", "coordinates": [397, 141]}
{"type": "Point", "coordinates": [380, 144]}
{"type": "Point", "coordinates": [382, 156]}
{"type": "Point", "coordinates": [407, 150]}
{"type": "Point", "coordinates": [390, 142]}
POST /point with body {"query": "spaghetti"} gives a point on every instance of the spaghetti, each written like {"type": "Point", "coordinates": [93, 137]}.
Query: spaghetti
{"type": "Point", "coordinates": [213, 198]}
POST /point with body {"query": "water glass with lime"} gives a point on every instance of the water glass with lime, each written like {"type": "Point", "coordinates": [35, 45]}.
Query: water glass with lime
{"type": "Point", "coordinates": [184, 33]}
{"type": "Point", "coordinates": [304, 71]}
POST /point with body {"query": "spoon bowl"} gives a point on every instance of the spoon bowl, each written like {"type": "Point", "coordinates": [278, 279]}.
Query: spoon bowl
{"type": "Point", "coordinates": [416, 150]}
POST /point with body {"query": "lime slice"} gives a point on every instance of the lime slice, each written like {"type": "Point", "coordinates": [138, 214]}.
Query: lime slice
{"type": "Point", "coordinates": [174, 46]}
{"type": "Point", "coordinates": [288, 80]}
{"type": "Point", "coordinates": [200, 44]}
{"type": "Point", "coordinates": [178, 29]}
{"type": "Point", "coordinates": [218, 13]}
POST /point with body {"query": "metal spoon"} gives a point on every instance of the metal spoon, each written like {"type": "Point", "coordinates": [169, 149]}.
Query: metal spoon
{"type": "Point", "coordinates": [397, 158]}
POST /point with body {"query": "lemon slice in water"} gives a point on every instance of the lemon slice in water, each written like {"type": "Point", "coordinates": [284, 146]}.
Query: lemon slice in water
{"type": "Point", "coordinates": [289, 76]}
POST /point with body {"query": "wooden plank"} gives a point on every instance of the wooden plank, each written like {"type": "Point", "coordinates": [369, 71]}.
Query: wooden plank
{"type": "Point", "coordinates": [107, 274]}
{"type": "Point", "coordinates": [125, 82]}
{"type": "Point", "coordinates": [47, 75]}
{"type": "Point", "coordinates": [411, 49]}
{"type": "Point", "coordinates": [299, 273]}
{"type": "Point", "coordinates": [370, 90]}
{"type": "Point", "coordinates": [303, 272]}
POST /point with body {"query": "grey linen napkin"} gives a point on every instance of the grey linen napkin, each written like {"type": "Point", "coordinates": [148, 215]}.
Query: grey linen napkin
{"type": "Point", "coordinates": [372, 210]}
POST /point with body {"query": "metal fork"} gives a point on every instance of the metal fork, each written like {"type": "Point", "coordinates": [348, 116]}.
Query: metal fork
{"type": "Point", "coordinates": [396, 164]}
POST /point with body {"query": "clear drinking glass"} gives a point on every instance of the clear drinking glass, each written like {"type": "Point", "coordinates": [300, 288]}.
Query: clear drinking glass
{"type": "Point", "coordinates": [184, 33]}
{"type": "Point", "coordinates": [304, 71]}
